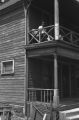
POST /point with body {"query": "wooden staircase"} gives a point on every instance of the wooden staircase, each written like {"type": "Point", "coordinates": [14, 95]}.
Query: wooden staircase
{"type": "Point", "coordinates": [65, 112]}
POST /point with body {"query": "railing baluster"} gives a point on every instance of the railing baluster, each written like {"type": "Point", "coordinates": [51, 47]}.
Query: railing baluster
{"type": "Point", "coordinates": [32, 95]}
{"type": "Point", "coordinates": [71, 38]}
{"type": "Point", "coordinates": [44, 95]}
{"type": "Point", "coordinates": [35, 95]}
{"type": "Point", "coordinates": [38, 94]}
{"type": "Point", "coordinates": [41, 95]}
{"type": "Point", "coordinates": [29, 95]}
{"type": "Point", "coordinates": [39, 37]}
{"type": "Point", "coordinates": [47, 96]}
{"type": "Point", "coordinates": [50, 96]}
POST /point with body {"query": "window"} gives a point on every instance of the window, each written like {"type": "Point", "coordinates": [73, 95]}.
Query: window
{"type": "Point", "coordinates": [7, 67]}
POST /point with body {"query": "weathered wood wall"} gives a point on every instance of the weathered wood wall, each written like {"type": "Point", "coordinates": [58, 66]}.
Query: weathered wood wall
{"type": "Point", "coordinates": [12, 43]}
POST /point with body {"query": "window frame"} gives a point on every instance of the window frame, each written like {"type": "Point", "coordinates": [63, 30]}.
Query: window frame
{"type": "Point", "coordinates": [2, 66]}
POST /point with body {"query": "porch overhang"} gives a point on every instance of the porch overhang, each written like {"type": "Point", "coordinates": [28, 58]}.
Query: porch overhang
{"type": "Point", "coordinates": [61, 48]}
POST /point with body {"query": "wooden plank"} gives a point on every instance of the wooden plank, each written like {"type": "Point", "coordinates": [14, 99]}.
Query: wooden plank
{"type": "Point", "coordinates": [41, 52]}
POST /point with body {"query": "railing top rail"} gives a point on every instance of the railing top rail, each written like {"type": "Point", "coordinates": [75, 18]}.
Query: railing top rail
{"type": "Point", "coordinates": [39, 89]}
{"type": "Point", "coordinates": [44, 28]}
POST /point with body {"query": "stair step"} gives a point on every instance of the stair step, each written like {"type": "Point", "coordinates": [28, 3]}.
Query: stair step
{"type": "Point", "coordinates": [69, 114]}
{"type": "Point", "coordinates": [76, 117]}
{"type": "Point", "coordinates": [72, 114]}
{"type": "Point", "coordinates": [64, 114]}
{"type": "Point", "coordinates": [71, 110]}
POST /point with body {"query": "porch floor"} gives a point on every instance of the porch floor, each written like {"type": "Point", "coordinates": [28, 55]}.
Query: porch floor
{"type": "Point", "coordinates": [69, 103]}
{"type": "Point", "coordinates": [70, 106]}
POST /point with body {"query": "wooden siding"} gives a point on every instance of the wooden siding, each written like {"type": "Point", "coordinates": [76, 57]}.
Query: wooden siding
{"type": "Point", "coordinates": [12, 43]}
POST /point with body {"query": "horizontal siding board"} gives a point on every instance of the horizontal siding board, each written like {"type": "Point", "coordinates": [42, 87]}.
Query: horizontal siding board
{"type": "Point", "coordinates": [14, 47]}
{"type": "Point", "coordinates": [13, 99]}
{"type": "Point", "coordinates": [11, 54]}
{"type": "Point", "coordinates": [12, 33]}
{"type": "Point", "coordinates": [15, 91]}
{"type": "Point", "coordinates": [12, 84]}
{"type": "Point", "coordinates": [14, 39]}
{"type": "Point", "coordinates": [12, 16]}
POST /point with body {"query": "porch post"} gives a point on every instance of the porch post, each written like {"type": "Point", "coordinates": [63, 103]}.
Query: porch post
{"type": "Point", "coordinates": [26, 6]}
{"type": "Point", "coordinates": [56, 94]}
{"type": "Point", "coordinates": [56, 19]}
{"type": "Point", "coordinates": [26, 68]}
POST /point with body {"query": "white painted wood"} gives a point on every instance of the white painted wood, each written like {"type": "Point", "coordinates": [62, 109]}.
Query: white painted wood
{"type": "Point", "coordinates": [72, 110]}
{"type": "Point", "coordinates": [72, 117]}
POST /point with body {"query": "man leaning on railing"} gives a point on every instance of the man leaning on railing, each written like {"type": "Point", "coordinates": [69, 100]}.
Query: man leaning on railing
{"type": "Point", "coordinates": [41, 31]}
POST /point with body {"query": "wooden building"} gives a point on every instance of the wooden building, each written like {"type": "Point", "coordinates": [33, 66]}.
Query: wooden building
{"type": "Point", "coordinates": [12, 53]}
{"type": "Point", "coordinates": [34, 66]}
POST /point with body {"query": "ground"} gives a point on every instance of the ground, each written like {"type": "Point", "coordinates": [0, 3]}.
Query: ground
{"type": "Point", "coordinates": [16, 111]}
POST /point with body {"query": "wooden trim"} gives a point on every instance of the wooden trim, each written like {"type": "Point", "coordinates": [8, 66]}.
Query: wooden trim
{"type": "Point", "coordinates": [68, 53]}
{"type": "Point", "coordinates": [57, 43]}
{"type": "Point", "coordinates": [26, 63]}
{"type": "Point", "coordinates": [49, 48]}
{"type": "Point", "coordinates": [7, 73]}
{"type": "Point", "coordinates": [41, 52]}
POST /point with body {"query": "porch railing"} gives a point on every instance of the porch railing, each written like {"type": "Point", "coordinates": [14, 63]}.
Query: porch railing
{"type": "Point", "coordinates": [42, 95]}
{"type": "Point", "coordinates": [47, 34]}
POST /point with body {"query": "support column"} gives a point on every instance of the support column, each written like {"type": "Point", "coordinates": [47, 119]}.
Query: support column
{"type": "Point", "coordinates": [56, 19]}
{"type": "Point", "coordinates": [26, 89]}
{"type": "Point", "coordinates": [56, 92]}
